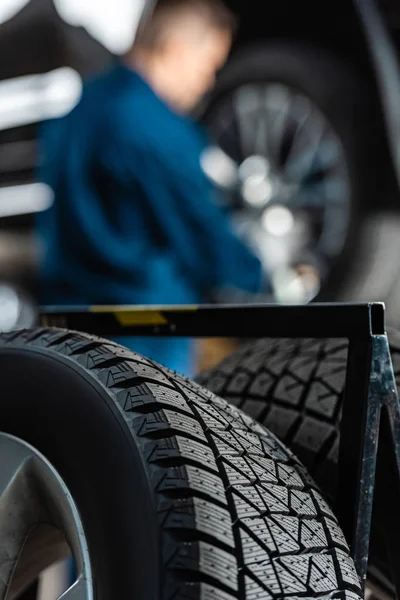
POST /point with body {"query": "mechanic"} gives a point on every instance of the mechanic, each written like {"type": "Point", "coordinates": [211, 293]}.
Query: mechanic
{"type": "Point", "coordinates": [134, 219]}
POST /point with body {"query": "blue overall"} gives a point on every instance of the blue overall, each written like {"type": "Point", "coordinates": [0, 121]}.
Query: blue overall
{"type": "Point", "coordinates": [134, 219]}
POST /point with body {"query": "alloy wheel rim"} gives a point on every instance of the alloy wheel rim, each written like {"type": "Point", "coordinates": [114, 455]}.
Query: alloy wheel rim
{"type": "Point", "coordinates": [292, 201]}
{"type": "Point", "coordinates": [39, 521]}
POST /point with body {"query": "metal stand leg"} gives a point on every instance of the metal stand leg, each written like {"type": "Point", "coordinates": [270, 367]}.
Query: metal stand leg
{"type": "Point", "coordinates": [370, 390]}
{"type": "Point", "coordinates": [357, 455]}
{"type": "Point", "coordinates": [387, 492]}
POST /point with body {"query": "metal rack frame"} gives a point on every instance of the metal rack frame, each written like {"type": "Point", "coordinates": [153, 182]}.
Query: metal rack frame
{"type": "Point", "coordinates": [371, 409]}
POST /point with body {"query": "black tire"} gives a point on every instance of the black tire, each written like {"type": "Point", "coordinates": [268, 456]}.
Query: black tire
{"type": "Point", "coordinates": [181, 496]}
{"type": "Point", "coordinates": [344, 99]}
{"type": "Point", "coordinates": [295, 388]}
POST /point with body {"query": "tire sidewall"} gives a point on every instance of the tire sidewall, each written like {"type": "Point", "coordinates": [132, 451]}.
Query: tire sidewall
{"type": "Point", "coordinates": [53, 404]}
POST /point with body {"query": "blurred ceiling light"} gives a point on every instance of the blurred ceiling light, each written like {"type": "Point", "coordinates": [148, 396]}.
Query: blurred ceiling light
{"type": "Point", "coordinates": [113, 24]}
{"type": "Point", "coordinates": [25, 199]}
{"type": "Point", "coordinates": [9, 8]}
{"type": "Point", "coordinates": [34, 98]}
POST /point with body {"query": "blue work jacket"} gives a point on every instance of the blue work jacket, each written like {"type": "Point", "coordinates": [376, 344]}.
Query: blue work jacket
{"type": "Point", "coordinates": [134, 218]}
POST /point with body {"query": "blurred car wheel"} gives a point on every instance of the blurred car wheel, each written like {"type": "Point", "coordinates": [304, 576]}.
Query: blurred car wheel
{"type": "Point", "coordinates": [303, 133]}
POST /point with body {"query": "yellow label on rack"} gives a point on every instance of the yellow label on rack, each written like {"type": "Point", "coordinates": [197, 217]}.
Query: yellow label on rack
{"type": "Point", "coordinates": [141, 315]}
{"type": "Point", "coordinates": [145, 317]}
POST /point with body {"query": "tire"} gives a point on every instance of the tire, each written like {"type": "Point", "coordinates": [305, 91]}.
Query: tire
{"type": "Point", "coordinates": [341, 95]}
{"type": "Point", "coordinates": [181, 496]}
{"type": "Point", "coordinates": [295, 388]}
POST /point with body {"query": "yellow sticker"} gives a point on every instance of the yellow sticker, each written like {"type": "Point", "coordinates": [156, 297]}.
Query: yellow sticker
{"type": "Point", "coordinates": [143, 317]}
{"type": "Point", "coordinates": [134, 308]}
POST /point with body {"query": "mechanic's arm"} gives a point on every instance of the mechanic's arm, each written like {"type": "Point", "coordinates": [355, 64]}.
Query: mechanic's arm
{"type": "Point", "coordinates": [162, 166]}
{"type": "Point", "coordinates": [195, 226]}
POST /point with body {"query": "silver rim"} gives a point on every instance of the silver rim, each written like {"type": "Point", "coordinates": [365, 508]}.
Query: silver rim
{"type": "Point", "coordinates": [39, 522]}
{"type": "Point", "coordinates": [293, 200]}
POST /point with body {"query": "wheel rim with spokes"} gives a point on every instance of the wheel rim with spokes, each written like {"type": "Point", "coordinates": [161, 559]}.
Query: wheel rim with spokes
{"type": "Point", "coordinates": [39, 522]}
{"type": "Point", "coordinates": [292, 201]}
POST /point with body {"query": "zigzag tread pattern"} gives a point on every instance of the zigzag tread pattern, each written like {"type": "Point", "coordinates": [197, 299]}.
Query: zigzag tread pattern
{"type": "Point", "coordinates": [295, 389]}
{"type": "Point", "coordinates": [238, 517]}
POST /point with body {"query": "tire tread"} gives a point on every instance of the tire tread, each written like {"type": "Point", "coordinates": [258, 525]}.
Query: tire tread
{"type": "Point", "coordinates": [239, 515]}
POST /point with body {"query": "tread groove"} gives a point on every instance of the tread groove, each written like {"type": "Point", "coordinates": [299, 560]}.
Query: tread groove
{"type": "Point", "coordinates": [231, 505]}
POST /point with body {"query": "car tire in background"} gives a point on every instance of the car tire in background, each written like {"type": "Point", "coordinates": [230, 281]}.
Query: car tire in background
{"type": "Point", "coordinates": [310, 115]}
{"type": "Point", "coordinates": [295, 389]}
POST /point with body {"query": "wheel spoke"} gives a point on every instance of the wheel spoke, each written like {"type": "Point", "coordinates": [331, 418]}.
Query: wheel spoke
{"type": "Point", "coordinates": [262, 126]}
{"type": "Point", "coordinates": [247, 105]}
{"type": "Point", "coordinates": [12, 465]}
{"type": "Point", "coordinates": [79, 591]}
{"type": "Point", "coordinates": [305, 150]}
{"type": "Point", "coordinates": [16, 508]}
{"type": "Point", "coordinates": [277, 103]}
